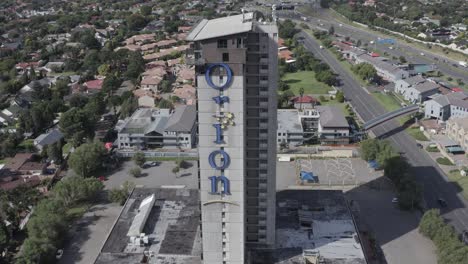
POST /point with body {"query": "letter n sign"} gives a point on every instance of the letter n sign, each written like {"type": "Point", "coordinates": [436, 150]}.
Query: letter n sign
{"type": "Point", "coordinates": [214, 184]}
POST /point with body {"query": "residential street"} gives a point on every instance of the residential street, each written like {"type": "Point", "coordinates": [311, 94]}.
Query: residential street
{"type": "Point", "coordinates": [323, 19]}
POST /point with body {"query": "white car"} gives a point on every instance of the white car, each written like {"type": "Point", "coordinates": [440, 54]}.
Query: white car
{"type": "Point", "coordinates": [422, 54]}
{"type": "Point", "coordinates": [59, 254]}
{"type": "Point", "coordinates": [395, 200]}
{"type": "Point", "coordinates": [340, 25]}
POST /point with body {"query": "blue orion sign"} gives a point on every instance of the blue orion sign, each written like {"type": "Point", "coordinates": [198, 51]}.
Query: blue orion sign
{"type": "Point", "coordinates": [221, 124]}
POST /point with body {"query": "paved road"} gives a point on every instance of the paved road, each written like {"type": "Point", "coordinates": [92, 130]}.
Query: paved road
{"type": "Point", "coordinates": [324, 20]}
{"type": "Point", "coordinates": [427, 173]}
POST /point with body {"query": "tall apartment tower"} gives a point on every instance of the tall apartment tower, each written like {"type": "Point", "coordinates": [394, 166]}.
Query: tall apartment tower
{"type": "Point", "coordinates": [236, 61]}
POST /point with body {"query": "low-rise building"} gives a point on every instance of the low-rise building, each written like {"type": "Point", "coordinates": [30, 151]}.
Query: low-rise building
{"type": "Point", "coordinates": [324, 124]}
{"type": "Point", "coordinates": [443, 107]}
{"type": "Point", "coordinates": [333, 128]}
{"type": "Point", "coordinates": [51, 137]}
{"type": "Point", "coordinates": [457, 130]}
{"type": "Point", "coordinates": [304, 102]}
{"type": "Point", "coordinates": [416, 89]}
{"type": "Point", "coordinates": [157, 128]}
{"type": "Point", "coordinates": [290, 130]}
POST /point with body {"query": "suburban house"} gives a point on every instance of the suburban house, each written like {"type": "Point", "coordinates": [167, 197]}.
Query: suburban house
{"type": "Point", "coordinates": [93, 86]}
{"type": "Point", "coordinates": [151, 83]}
{"type": "Point", "coordinates": [146, 98]}
{"type": "Point", "coordinates": [289, 129]}
{"type": "Point", "coordinates": [333, 128]}
{"type": "Point", "coordinates": [457, 130]}
{"type": "Point", "coordinates": [158, 128]}
{"type": "Point", "coordinates": [384, 69]}
{"type": "Point", "coordinates": [443, 107]}
{"type": "Point", "coordinates": [416, 89]}
{"type": "Point", "coordinates": [54, 66]}
{"type": "Point", "coordinates": [22, 169]}
{"type": "Point", "coordinates": [305, 101]}
{"type": "Point", "coordinates": [326, 124]}
{"type": "Point", "coordinates": [51, 137]}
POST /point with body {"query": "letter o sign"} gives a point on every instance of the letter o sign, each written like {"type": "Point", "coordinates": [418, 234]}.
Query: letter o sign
{"type": "Point", "coordinates": [224, 162]}
{"type": "Point", "coordinates": [210, 81]}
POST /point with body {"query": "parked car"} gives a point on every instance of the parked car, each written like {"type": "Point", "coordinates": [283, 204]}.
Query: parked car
{"type": "Point", "coordinates": [442, 202]}
{"type": "Point", "coordinates": [395, 200]}
{"type": "Point", "coordinates": [419, 145]}
{"type": "Point", "coordinates": [59, 254]}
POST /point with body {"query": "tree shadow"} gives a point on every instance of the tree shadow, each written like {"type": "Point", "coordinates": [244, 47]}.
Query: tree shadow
{"type": "Point", "coordinates": [290, 81]}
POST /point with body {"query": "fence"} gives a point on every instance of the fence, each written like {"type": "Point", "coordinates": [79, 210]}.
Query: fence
{"type": "Point", "coordinates": [158, 154]}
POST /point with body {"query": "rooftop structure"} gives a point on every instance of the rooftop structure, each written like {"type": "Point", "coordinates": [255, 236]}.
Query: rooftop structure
{"type": "Point", "coordinates": [169, 220]}
{"type": "Point", "coordinates": [317, 222]}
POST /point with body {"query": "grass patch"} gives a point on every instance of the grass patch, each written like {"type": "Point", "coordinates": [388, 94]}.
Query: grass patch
{"type": "Point", "coordinates": [306, 80]}
{"type": "Point", "coordinates": [66, 148]}
{"type": "Point", "coordinates": [444, 161]}
{"type": "Point", "coordinates": [417, 134]}
{"type": "Point", "coordinates": [462, 181]}
{"type": "Point", "coordinates": [76, 212]}
{"type": "Point", "coordinates": [432, 149]}
{"type": "Point", "coordinates": [388, 101]}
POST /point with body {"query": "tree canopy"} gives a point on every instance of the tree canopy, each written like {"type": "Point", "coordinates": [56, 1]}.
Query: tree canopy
{"type": "Point", "coordinates": [87, 158]}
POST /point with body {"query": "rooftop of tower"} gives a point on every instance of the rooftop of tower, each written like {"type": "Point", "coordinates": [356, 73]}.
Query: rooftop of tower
{"type": "Point", "coordinates": [223, 26]}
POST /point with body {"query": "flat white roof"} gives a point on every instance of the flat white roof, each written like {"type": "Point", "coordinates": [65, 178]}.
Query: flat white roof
{"type": "Point", "coordinates": [223, 26]}
{"type": "Point", "coordinates": [140, 219]}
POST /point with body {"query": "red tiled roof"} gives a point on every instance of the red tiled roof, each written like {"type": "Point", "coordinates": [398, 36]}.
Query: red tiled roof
{"type": "Point", "coordinates": [457, 89]}
{"type": "Point", "coordinates": [94, 84]}
{"type": "Point", "coordinates": [304, 99]}
{"type": "Point", "coordinates": [285, 54]}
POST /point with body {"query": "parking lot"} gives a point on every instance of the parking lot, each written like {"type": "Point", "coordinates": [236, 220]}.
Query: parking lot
{"type": "Point", "coordinates": [330, 172]}
{"type": "Point", "coordinates": [156, 176]}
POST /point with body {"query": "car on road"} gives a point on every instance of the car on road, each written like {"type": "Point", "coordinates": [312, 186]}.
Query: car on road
{"type": "Point", "coordinates": [442, 202]}
{"type": "Point", "coordinates": [419, 145]}
{"type": "Point", "coordinates": [59, 254]}
{"type": "Point", "coordinates": [455, 65]}
{"type": "Point", "coordinates": [422, 54]}
{"type": "Point", "coordinates": [395, 200]}
{"type": "Point", "coordinates": [340, 25]}
{"type": "Point", "coordinates": [150, 164]}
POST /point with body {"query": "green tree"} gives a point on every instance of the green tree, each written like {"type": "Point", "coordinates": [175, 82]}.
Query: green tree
{"type": "Point", "coordinates": [369, 149]}
{"type": "Point", "coordinates": [136, 65]}
{"type": "Point", "coordinates": [176, 170]}
{"type": "Point", "coordinates": [395, 168]}
{"type": "Point", "coordinates": [120, 195]}
{"type": "Point", "coordinates": [4, 237]}
{"type": "Point", "coordinates": [331, 30]}
{"type": "Point", "coordinates": [136, 22]}
{"type": "Point", "coordinates": [135, 172]}
{"type": "Point", "coordinates": [166, 104]}
{"type": "Point", "coordinates": [166, 86]}
{"type": "Point", "coordinates": [54, 152]}
{"type": "Point", "coordinates": [87, 158]}
{"type": "Point", "coordinates": [75, 189]}
{"type": "Point", "coordinates": [111, 83]}
{"type": "Point", "coordinates": [77, 125]}
{"type": "Point", "coordinates": [128, 106]}
{"type": "Point", "coordinates": [145, 10]}
{"type": "Point", "coordinates": [402, 59]}
{"type": "Point", "coordinates": [340, 97]}
{"type": "Point", "coordinates": [139, 159]}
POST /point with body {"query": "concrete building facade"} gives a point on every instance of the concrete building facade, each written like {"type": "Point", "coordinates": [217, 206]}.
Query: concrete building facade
{"type": "Point", "coordinates": [457, 129]}
{"type": "Point", "coordinates": [158, 128]}
{"type": "Point", "coordinates": [236, 78]}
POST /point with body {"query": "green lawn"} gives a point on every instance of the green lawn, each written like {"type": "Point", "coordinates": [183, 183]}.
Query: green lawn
{"type": "Point", "coordinates": [417, 134]}
{"type": "Point", "coordinates": [388, 101]}
{"type": "Point", "coordinates": [306, 80]}
{"type": "Point", "coordinates": [444, 161]}
{"type": "Point", "coordinates": [462, 181]}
